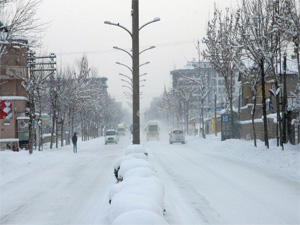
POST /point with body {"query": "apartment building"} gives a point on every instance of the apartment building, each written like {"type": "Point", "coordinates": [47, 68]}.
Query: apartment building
{"type": "Point", "coordinates": [13, 97]}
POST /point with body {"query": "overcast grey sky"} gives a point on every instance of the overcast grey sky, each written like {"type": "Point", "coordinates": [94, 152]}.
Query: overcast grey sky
{"type": "Point", "coordinates": [77, 27]}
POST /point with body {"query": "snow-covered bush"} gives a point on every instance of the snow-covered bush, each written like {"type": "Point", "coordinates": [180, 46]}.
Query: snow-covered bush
{"type": "Point", "coordinates": [138, 197]}
{"type": "Point", "coordinates": [139, 217]}
{"type": "Point", "coordinates": [150, 187]}
{"type": "Point", "coordinates": [135, 149]}
{"type": "Point", "coordinates": [124, 202]}
{"type": "Point", "coordinates": [127, 157]}
{"type": "Point", "coordinates": [139, 172]}
{"type": "Point", "coordinates": [129, 164]}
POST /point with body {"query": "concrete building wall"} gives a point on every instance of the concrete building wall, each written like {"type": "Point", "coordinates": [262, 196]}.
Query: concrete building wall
{"type": "Point", "coordinates": [247, 130]}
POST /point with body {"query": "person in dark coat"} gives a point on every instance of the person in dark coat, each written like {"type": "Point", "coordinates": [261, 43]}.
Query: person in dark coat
{"type": "Point", "coordinates": [74, 140]}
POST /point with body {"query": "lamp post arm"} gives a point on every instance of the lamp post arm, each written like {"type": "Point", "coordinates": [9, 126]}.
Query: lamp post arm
{"type": "Point", "coordinates": [125, 76]}
{"type": "Point", "coordinates": [127, 87]}
{"type": "Point", "coordinates": [147, 49]}
{"type": "Point", "coordinates": [127, 82]}
{"type": "Point", "coordinates": [154, 20]}
{"type": "Point", "coordinates": [118, 25]}
{"type": "Point", "coordinates": [121, 49]}
{"type": "Point", "coordinates": [127, 94]}
{"type": "Point", "coordinates": [124, 65]}
{"type": "Point", "coordinates": [144, 64]}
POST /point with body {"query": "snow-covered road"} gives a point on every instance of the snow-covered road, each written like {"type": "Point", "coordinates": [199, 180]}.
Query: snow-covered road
{"type": "Point", "coordinates": [205, 183]}
{"type": "Point", "coordinates": [68, 189]}
{"type": "Point", "coordinates": [213, 189]}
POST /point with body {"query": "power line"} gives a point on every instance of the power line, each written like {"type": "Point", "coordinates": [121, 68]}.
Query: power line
{"type": "Point", "coordinates": [113, 51]}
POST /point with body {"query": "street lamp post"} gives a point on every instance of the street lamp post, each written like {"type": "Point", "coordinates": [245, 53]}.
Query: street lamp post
{"type": "Point", "coordinates": [135, 66]}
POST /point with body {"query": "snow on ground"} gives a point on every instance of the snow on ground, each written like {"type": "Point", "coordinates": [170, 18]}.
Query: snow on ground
{"type": "Point", "coordinates": [206, 182]}
{"type": "Point", "coordinates": [287, 161]}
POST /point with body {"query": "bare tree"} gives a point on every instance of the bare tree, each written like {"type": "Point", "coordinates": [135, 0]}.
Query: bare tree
{"type": "Point", "coordinates": [288, 22]}
{"type": "Point", "coordinates": [258, 38]}
{"type": "Point", "coordinates": [203, 85]}
{"type": "Point", "coordinates": [252, 79]}
{"type": "Point", "coordinates": [221, 53]}
{"type": "Point", "coordinates": [185, 91]}
{"type": "Point", "coordinates": [17, 19]}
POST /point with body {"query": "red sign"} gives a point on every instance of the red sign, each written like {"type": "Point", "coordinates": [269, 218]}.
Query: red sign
{"type": "Point", "coordinates": [6, 110]}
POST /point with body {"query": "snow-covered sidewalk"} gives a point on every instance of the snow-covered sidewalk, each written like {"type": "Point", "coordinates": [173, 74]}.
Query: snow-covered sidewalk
{"type": "Point", "coordinates": [287, 161]}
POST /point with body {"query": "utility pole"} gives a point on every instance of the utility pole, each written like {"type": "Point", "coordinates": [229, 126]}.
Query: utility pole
{"type": "Point", "coordinates": [216, 113]}
{"type": "Point", "coordinates": [134, 34]}
{"type": "Point", "coordinates": [284, 102]}
{"type": "Point", "coordinates": [37, 64]}
{"type": "Point", "coordinates": [135, 73]}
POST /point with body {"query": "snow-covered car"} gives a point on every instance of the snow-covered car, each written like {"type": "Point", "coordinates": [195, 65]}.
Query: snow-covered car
{"type": "Point", "coordinates": [177, 136]}
{"type": "Point", "coordinates": [111, 136]}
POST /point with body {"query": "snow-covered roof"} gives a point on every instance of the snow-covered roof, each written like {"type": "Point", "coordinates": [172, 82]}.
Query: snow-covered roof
{"type": "Point", "coordinates": [23, 118]}
{"type": "Point", "coordinates": [2, 98]}
{"type": "Point", "coordinates": [9, 140]}
{"type": "Point", "coordinates": [18, 38]}
{"type": "Point", "coordinates": [291, 64]}
{"type": "Point", "coordinates": [153, 122]}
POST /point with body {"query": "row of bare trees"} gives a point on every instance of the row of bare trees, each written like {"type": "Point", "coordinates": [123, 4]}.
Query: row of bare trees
{"type": "Point", "coordinates": [77, 101]}
{"type": "Point", "coordinates": [74, 96]}
{"type": "Point", "coordinates": [252, 40]}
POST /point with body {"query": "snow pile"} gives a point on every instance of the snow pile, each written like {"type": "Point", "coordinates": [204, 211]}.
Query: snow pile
{"type": "Point", "coordinates": [138, 197]}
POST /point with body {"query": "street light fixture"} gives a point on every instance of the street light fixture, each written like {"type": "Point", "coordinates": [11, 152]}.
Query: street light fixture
{"type": "Point", "coordinates": [118, 25]}
{"type": "Point", "coordinates": [144, 64]}
{"type": "Point", "coordinates": [127, 87]}
{"type": "Point", "coordinates": [135, 66]}
{"type": "Point", "coordinates": [121, 64]}
{"type": "Point", "coordinates": [121, 74]}
{"type": "Point", "coordinates": [143, 74]}
{"type": "Point", "coordinates": [121, 49]}
{"type": "Point", "coordinates": [156, 19]}
{"type": "Point", "coordinates": [151, 47]}
{"type": "Point", "coordinates": [130, 83]}
{"type": "Point", "coordinates": [127, 94]}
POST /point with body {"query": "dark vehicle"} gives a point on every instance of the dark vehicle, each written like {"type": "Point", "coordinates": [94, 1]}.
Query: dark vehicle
{"type": "Point", "coordinates": [177, 136]}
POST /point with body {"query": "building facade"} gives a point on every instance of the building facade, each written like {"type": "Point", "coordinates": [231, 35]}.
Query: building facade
{"type": "Point", "coordinates": [214, 80]}
{"type": "Point", "coordinates": [13, 97]}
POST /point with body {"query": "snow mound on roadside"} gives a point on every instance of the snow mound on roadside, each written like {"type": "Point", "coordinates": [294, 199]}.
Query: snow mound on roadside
{"type": "Point", "coordinates": [151, 187]}
{"type": "Point", "coordinates": [139, 172]}
{"type": "Point", "coordinates": [125, 202]}
{"type": "Point", "coordinates": [129, 164]}
{"type": "Point", "coordinates": [139, 217]}
{"type": "Point", "coordinates": [135, 149]}
{"type": "Point", "coordinates": [138, 198]}
{"type": "Point", "coordinates": [119, 160]}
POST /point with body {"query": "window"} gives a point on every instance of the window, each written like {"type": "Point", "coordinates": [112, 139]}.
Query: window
{"type": "Point", "coordinates": [152, 127]}
{"type": "Point", "coordinates": [110, 132]}
{"type": "Point", "coordinates": [177, 132]}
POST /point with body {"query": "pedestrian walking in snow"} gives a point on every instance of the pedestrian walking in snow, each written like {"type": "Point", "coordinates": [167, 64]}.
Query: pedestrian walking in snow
{"type": "Point", "coordinates": [74, 140]}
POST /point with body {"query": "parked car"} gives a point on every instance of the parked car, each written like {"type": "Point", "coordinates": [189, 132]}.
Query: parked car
{"type": "Point", "coordinates": [177, 136]}
{"type": "Point", "coordinates": [111, 136]}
